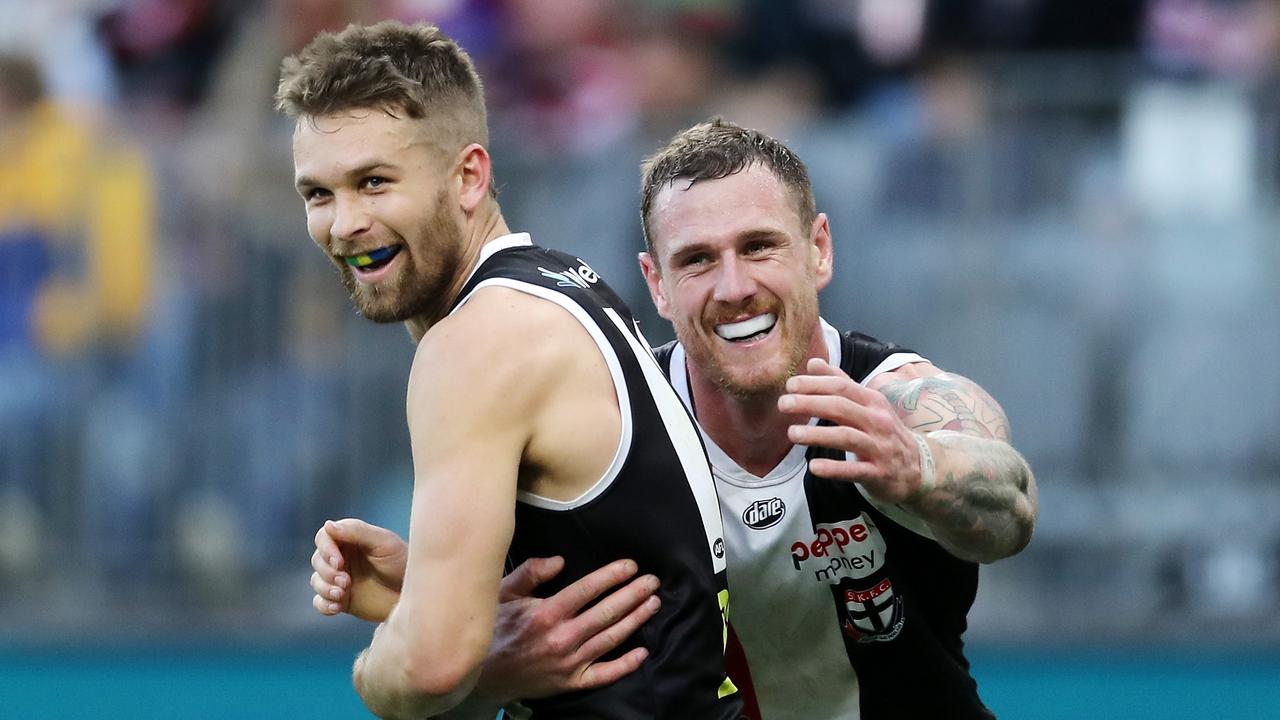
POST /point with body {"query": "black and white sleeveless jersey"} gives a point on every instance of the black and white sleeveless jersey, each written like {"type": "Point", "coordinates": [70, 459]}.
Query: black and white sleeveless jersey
{"type": "Point", "coordinates": [655, 504]}
{"type": "Point", "coordinates": [845, 607]}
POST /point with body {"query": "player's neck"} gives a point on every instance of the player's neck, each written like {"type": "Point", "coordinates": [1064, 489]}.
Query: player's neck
{"type": "Point", "coordinates": [751, 431]}
{"type": "Point", "coordinates": [479, 231]}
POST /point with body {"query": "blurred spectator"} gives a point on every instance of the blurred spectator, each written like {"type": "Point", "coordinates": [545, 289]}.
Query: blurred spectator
{"type": "Point", "coordinates": [61, 36]}
{"type": "Point", "coordinates": [846, 48]}
{"type": "Point", "coordinates": [563, 77]}
{"type": "Point", "coordinates": [165, 49]}
{"type": "Point", "coordinates": [1237, 39]}
{"type": "Point", "coordinates": [75, 266]}
{"type": "Point", "coordinates": [1035, 25]}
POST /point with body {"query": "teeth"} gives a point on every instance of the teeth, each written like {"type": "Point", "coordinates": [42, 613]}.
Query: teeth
{"type": "Point", "coordinates": [746, 328]}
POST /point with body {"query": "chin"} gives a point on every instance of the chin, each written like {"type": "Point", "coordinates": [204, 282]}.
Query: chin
{"type": "Point", "coordinates": [754, 385]}
{"type": "Point", "coordinates": [377, 307]}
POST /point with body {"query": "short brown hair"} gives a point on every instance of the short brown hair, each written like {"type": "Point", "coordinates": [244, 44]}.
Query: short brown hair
{"type": "Point", "coordinates": [717, 149]}
{"type": "Point", "coordinates": [415, 69]}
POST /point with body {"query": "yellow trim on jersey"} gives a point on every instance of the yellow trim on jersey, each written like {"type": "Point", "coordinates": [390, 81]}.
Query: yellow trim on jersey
{"type": "Point", "coordinates": [727, 687]}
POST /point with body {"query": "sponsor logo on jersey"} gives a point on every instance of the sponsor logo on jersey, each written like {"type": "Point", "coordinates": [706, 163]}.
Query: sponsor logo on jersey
{"type": "Point", "coordinates": [848, 549]}
{"type": "Point", "coordinates": [718, 547]}
{"type": "Point", "coordinates": [763, 514]}
{"type": "Point", "coordinates": [580, 277]}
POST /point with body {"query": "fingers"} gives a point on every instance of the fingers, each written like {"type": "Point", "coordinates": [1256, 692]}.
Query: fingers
{"type": "Point", "coordinates": [375, 541]}
{"type": "Point", "coordinates": [599, 674]}
{"type": "Point", "coordinates": [836, 408]}
{"type": "Point", "coordinates": [330, 574]}
{"type": "Point", "coordinates": [354, 531]}
{"type": "Point", "coordinates": [835, 385]}
{"type": "Point", "coordinates": [586, 589]}
{"type": "Point", "coordinates": [328, 599]}
{"type": "Point", "coordinates": [845, 470]}
{"type": "Point", "coordinates": [327, 546]}
{"type": "Point", "coordinates": [633, 604]}
{"type": "Point", "coordinates": [528, 575]}
{"type": "Point", "coordinates": [837, 438]}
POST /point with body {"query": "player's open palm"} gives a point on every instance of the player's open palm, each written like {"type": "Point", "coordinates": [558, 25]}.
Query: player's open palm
{"type": "Point", "coordinates": [359, 569]}
{"type": "Point", "coordinates": [887, 458]}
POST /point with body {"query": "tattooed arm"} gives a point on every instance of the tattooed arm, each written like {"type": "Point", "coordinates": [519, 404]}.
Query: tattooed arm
{"type": "Point", "coordinates": [933, 443]}
{"type": "Point", "coordinates": [984, 502]}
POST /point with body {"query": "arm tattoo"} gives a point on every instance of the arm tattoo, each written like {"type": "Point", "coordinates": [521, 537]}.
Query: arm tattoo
{"type": "Point", "coordinates": [984, 505]}
{"type": "Point", "coordinates": [947, 402]}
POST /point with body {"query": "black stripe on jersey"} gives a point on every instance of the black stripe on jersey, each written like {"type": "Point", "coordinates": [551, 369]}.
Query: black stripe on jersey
{"type": "Point", "coordinates": [902, 624]}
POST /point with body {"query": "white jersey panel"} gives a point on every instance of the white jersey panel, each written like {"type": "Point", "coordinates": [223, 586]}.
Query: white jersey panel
{"type": "Point", "coordinates": [797, 657]}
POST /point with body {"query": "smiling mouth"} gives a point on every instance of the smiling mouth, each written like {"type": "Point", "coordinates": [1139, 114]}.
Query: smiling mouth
{"type": "Point", "coordinates": [749, 329]}
{"type": "Point", "coordinates": [370, 261]}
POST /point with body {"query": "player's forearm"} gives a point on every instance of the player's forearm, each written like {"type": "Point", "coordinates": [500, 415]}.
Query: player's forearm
{"type": "Point", "coordinates": [397, 682]}
{"type": "Point", "coordinates": [983, 505]}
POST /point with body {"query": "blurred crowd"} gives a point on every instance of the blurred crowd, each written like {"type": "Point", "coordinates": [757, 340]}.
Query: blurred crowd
{"type": "Point", "coordinates": [1073, 201]}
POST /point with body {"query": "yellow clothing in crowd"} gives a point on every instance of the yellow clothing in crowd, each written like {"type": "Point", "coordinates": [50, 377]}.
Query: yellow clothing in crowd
{"type": "Point", "coordinates": [86, 194]}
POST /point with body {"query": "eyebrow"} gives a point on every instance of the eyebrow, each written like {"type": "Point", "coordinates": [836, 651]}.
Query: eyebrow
{"type": "Point", "coordinates": [762, 234]}
{"type": "Point", "coordinates": [306, 181]}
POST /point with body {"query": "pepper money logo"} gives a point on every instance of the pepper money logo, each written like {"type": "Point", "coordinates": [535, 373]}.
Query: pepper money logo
{"type": "Point", "coordinates": [851, 556]}
{"type": "Point", "coordinates": [847, 549]}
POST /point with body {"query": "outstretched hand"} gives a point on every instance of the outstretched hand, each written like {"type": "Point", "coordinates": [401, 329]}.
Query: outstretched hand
{"type": "Point", "coordinates": [359, 569]}
{"type": "Point", "coordinates": [887, 454]}
{"type": "Point", "coordinates": [547, 646]}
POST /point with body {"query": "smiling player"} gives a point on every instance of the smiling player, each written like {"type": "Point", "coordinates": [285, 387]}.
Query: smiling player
{"type": "Point", "coordinates": [540, 423]}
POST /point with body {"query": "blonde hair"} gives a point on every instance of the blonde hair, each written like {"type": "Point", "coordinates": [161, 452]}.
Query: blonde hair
{"type": "Point", "coordinates": [414, 69]}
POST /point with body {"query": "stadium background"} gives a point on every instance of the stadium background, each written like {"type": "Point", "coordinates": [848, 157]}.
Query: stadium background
{"type": "Point", "coordinates": [1073, 202]}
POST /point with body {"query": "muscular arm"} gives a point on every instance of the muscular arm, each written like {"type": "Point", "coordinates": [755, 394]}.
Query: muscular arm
{"type": "Point", "coordinates": [983, 504]}
{"type": "Point", "coordinates": [469, 412]}
{"type": "Point", "coordinates": [480, 424]}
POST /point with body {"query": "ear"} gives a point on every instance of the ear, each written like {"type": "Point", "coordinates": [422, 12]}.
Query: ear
{"type": "Point", "coordinates": [653, 278]}
{"type": "Point", "coordinates": [823, 259]}
{"type": "Point", "coordinates": [475, 169]}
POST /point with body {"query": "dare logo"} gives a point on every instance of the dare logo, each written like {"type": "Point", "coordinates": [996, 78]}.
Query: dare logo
{"type": "Point", "coordinates": [763, 514]}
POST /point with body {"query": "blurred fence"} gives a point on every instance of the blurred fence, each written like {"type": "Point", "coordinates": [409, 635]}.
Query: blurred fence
{"type": "Point", "coordinates": [1099, 249]}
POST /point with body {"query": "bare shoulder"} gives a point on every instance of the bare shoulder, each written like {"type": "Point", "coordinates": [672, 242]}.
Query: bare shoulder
{"type": "Point", "coordinates": [503, 343]}
{"type": "Point", "coordinates": [928, 398]}
{"type": "Point", "coordinates": [496, 327]}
